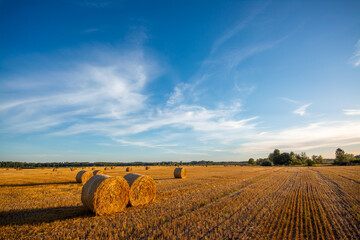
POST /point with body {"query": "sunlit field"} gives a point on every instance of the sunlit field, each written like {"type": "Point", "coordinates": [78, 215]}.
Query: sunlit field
{"type": "Point", "coordinates": [211, 203]}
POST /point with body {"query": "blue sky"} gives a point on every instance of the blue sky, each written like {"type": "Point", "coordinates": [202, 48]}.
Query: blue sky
{"type": "Point", "coordinates": [177, 80]}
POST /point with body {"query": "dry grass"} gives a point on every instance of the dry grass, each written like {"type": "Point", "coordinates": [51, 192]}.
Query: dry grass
{"type": "Point", "coordinates": [212, 203]}
{"type": "Point", "coordinates": [142, 189]}
{"type": "Point", "coordinates": [83, 176]}
{"type": "Point", "coordinates": [103, 194]}
{"type": "Point", "coordinates": [96, 172]}
{"type": "Point", "coordinates": [180, 172]}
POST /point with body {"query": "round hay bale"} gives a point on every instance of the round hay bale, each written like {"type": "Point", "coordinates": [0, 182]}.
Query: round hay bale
{"type": "Point", "coordinates": [103, 194]}
{"type": "Point", "coordinates": [180, 173]}
{"type": "Point", "coordinates": [112, 167]}
{"type": "Point", "coordinates": [142, 189]}
{"type": "Point", "coordinates": [147, 168]}
{"type": "Point", "coordinates": [129, 169]}
{"type": "Point", "coordinates": [83, 176]}
{"type": "Point", "coordinates": [106, 168]}
{"type": "Point", "coordinates": [93, 168]}
{"type": "Point", "coordinates": [96, 172]}
{"type": "Point", "coordinates": [54, 170]}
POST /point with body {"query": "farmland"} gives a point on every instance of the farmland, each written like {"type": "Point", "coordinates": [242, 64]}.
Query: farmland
{"type": "Point", "coordinates": [214, 202]}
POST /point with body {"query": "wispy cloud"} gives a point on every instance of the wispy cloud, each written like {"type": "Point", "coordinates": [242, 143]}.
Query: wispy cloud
{"type": "Point", "coordinates": [89, 92]}
{"type": "Point", "coordinates": [352, 111]}
{"type": "Point", "coordinates": [355, 59]}
{"type": "Point", "coordinates": [314, 136]}
{"type": "Point", "coordinates": [302, 110]}
{"type": "Point", "coordinates": [289, 100]}
{"type": "Point", "coordinates": [237, 28]}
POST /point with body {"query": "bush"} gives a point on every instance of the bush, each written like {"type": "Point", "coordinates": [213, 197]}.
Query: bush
{"type": "Point", "coordinates": [266, 163]}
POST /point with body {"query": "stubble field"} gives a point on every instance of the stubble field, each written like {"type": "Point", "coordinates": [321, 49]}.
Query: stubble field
{"type": "Point", "coordinates": [211, 203]}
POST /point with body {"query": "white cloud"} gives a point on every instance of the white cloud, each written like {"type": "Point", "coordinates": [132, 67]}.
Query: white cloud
{"type": "Point", "coordinates": [302, 110]}
{"type": "Point", "coordinates": [89, 92]}
{"type": "Point", "coordinates": [314, 136]}
{"type": "Point", "coordinates": [289, 100]}
{"type": "Point", "coordinates": [352, 111]}
{"type": "Point", "coordinates": [178, 95]}
{"type": "Point", "coordinates": [236, 29]}
{"type": "Point", "coordinates": [355, 59]}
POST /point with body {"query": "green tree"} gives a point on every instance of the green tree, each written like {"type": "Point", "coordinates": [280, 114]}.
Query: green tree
{"type": "Point", "coordinates": [251, 161]}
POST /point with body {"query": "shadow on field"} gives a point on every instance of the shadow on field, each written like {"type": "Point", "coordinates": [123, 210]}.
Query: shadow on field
{"type": "Point", "coordinates": [36, 184]}
{"type": "Point", "coordinates": [45, 215]}
{"type": "Point", "coordinates": [159, 179]}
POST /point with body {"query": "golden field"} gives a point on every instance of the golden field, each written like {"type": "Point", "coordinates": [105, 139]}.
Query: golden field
{"type": "Point", "coordinates": [214, 202]}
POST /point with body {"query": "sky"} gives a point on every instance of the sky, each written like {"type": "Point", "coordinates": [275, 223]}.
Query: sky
{"type": "Point", "coordinates": [177, 80]}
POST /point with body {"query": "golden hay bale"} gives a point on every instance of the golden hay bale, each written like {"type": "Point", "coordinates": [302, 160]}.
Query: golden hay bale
{"type": "Point", "coordinates": [142, 189]}
{"type": "Point", "coordinates": [54, 169]}
{"type": "Point", "coordinates": [147, 168]}
{"type": "Point", "coordinates": [103, 194]}
{"type": "Point", "coordinates": [93, 168]}
{"type": "Point", "coordinates": [96, 172]}
{"type": "Point", "coordinates": [112, 167]}
{"type": "Point", "coordinates": [180, 173]}
{"type": "Point", "coordinates": [83, 176]}
{"type": "Point", "coordinates": [106, 168]}
{"type": "Point", "coordinates": [72, 169]}
{"type": "Point", "coordinates": [18, 169]}
{"type": "Point", "coordinates": [129, 169]}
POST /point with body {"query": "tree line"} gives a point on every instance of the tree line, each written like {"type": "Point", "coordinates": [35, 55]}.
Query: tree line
{"type": "Point", "coordinates": [285, 158]}
{"type": "Point", "coordinates": [9, 164]}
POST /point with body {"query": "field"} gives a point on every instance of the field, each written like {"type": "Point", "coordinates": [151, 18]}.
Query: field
{"type": "Point", "coordinates": [212, 203]}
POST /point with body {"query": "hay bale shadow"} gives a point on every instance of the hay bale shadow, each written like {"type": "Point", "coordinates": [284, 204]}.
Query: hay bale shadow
{"type": "Point", "coordinates": [45, 215]}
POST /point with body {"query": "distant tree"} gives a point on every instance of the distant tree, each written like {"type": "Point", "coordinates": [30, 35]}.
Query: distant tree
{"type": "Point", "coordinates": [275, 157]}
{"type": "Point", "coordinates": [317, 159]}
{"type": "Point", "coordinates": [342, 158]}
{"type": "Point", "coordinates": [251, 161]}
{"type": "Point", "coordinates": [310, 162]}
{"type": "Point", "coordinates": [266, 162]}
{"type": "Point", "coordinates": [260, 161]}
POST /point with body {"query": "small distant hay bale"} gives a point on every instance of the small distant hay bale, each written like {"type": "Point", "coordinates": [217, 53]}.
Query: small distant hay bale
{"type": "Point", "coordinates": [147, 168]}
{"type": "Point", "coordinates": [83, 176]}
{"type": "Point", "coordinates": [142, 189]}
{"type": "Point", "coordinates": [93, 168]}
{"type": "Point", "coordinates": [96, 172]}
{"type": "Point", "coordinates": [54, 169]}
{"type": "Point", "coordinates": [112, 167]}
{"type": "Point", "coordinates": [106, 168]}
{"type": "Point", "coordinates": [129, 169]}
{"type": "Point", "coordinates": [104, 195]}
{"type": "Point", "coordinates": [83, 168]}
{"type": "Point", "coordinates": [180, 173]}
{"type": "Point", "coordinates": [18, 169]}
{"type": "Point", "coordinates": [72, 169]}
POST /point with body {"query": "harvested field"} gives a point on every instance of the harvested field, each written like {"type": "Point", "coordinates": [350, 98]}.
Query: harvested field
{"type": "Point", "coordinates": [211, 203]}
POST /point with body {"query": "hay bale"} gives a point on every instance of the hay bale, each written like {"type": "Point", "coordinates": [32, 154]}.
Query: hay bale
{"type": "Point", "coordinates": [54, 169]}
{"type": "Point", "coordinates": [180, 173]}
{"type": "Point", "coordinates": [103, 194]}
{"type": "Point", "coordinates": [83, 176]}
{"type": "Point", "coordinates": [147, 168]}
{"type": "Point", "coordinates": [96, 172]}
{"type": "Point", "coordinates": [93, 168]}
{"type": "Point", "coordinates": [142, 189]}
{"type": "Point", "coordinates": [112, 167]}
{"type": "Point", "coordinates": [72, 169]}
{"type": "Point", "coordinates": [106, 168]}
{"type": "Point", "coordinates": [129, 169]}
{"type": "Point", "coordinates": [18, 169]}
